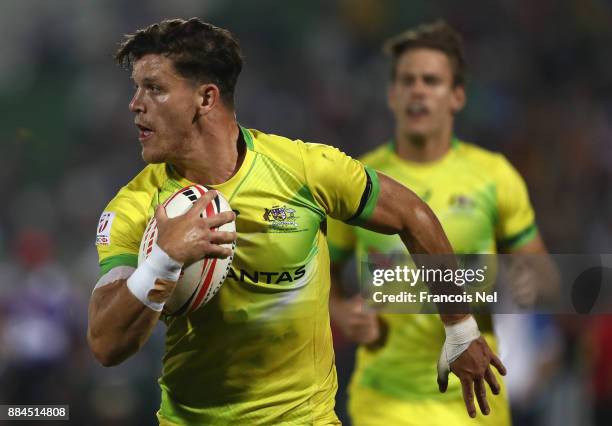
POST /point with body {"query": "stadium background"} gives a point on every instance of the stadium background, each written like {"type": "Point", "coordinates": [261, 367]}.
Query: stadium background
{"type": "Point", "coordinates": [540, 84]}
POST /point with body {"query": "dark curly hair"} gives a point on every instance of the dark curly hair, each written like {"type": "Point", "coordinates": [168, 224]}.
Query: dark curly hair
{"type": "Point", "coordinates": [437, 35]}
{"type": "Point", "coordinates": [200, 52]}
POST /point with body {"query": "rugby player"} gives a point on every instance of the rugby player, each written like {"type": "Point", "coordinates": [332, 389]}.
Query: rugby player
{"type": "Point", "coordinates": [483, 206]}
{"type": "Point", "coordinates": [260, 352]}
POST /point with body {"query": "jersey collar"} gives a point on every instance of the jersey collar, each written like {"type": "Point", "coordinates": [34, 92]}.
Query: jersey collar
{"type": "Point", "coordinates": [454, 146]}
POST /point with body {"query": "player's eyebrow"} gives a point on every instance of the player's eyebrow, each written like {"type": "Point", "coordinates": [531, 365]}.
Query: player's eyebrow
{"type": "Point", "coordinates": [432, 76]}
{"type": "Point", "coordinates": [147, 80]}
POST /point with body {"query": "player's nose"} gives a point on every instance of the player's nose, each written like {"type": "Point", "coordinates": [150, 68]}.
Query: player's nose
{"type": "Point", "coordinates": [137, 104]}
{"type": "Point", "coordinates": [418, 87]}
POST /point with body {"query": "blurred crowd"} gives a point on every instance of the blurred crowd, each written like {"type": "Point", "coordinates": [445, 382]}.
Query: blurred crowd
{"type": "Point", "coordinates": [539, 90]}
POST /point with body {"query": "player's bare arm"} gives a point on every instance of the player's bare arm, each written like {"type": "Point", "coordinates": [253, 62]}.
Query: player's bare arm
{"type": "Point", "coordinates": [359, 325]}
{"type": "Point", "coordinates": [120, 323]}
{"type": "Point", "coordinates": [400, 211]}
{"type": "Point", "coordinates": [534, 278]}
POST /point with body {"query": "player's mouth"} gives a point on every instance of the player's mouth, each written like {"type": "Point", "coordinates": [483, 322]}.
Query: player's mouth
{"type": "Point", "coordinates": [144, 133]}
{"type": "Point", "coordinates": [417, 110]}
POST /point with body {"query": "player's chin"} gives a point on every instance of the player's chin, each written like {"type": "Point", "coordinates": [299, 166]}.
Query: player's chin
{"type": "Point", "coordinates": [417, 132]}
{"type": "Point", "coordinates": [151, 156]}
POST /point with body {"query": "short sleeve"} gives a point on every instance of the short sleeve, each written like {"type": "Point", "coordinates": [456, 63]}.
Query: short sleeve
{"type": "Point", "coordinates": [516, 220]}
{"type": "Point", "coordinates": [345, 188]}
{"type": "Point", "coordinates": [120, 230]}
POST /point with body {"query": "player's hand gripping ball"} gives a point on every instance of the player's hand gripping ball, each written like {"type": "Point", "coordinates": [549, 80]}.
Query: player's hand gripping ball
{"type": "Point", "coordinates": [201, 280]}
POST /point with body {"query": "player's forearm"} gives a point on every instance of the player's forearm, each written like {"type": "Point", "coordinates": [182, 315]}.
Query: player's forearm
{"type": "Point", "coordinates": [532, 266]}
{"type": "Point", "coordinates": [424, 234]}
{"type": "Point", "coordinates": [119, 323]}
{"type": "Point", "coordinates": [400, 211]}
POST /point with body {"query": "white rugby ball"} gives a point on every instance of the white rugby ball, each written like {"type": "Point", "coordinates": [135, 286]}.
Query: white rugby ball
{"type": "Point", "coordinates": [201, 280]}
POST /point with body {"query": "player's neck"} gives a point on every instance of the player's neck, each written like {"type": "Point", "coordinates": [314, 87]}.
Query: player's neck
{"type": "Point", "coordinates": [215, 156]}
{"type": "Point", "coordinates": [421, 148]}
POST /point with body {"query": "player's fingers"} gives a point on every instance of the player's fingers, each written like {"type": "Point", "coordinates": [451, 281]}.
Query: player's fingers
{"type": "Point", "coordinates": [160, 214]}
{"type": "Point", "coordinates": [200, 205]}
{"type": "Point", "coordinates": [524, 295]}
{"type": "Point", "coordinates": [498, 364]}
{"type": "Point", "coordinates": [492, 381]}
{"type": "Point", "coordinates": [442, 383]}
{"type": "Point", "coordinates": [222, 237]}
{"type": "Point", "coordinates": [219, 219]}
{"type": "Point", "coordinates": [360, 310]}
{"type": "Point", "coordinates": [358, 306]}
{"type": "Point", "coordinates": [217, 251]}
{"type": "Point", "coordinates": [443, 372]}
{"type": "Point", "coordinates": [363, 317]}
{"type": "Point", "coordinates": [356, 302]}
{"type": "Point", "coordinates": [358, 299]}
{"type": "Point", "coordinates": [361, 323]}
{"type": "Point", "coordinates": [481, 396]}
{"type": "Point", "coordinates": [468, 396]}
{"type": "Point", "coordinates": [363, 334]}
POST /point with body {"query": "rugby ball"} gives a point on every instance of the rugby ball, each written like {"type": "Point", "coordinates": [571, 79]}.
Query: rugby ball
{"type": "Point", "coordinates": [201, 280]}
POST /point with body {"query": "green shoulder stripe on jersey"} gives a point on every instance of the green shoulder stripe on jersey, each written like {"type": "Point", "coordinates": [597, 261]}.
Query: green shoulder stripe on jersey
{"type": "Point", "coordinates": [248, 138]}
{"type": "Point", "coordinates": [109, 263]}
{"type": "Point", "coordinates": [519, 239]}
{"type": "Point", "coordinates": [337, 254]}
{"type": "Point", "coordinates": [368, 200]}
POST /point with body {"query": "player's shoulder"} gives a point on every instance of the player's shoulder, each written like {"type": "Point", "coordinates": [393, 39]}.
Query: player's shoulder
{"type": "Point", "coordinates": [477, 156]}
{"type": "Point", "coordinates": [292, 154]}
{"type": "Point", "coordinates": [494, 165]}
{"type": "Point", "coordinates": [377, 157]}
{"type": "Point", "coordinates": [124, 218]}
{"type": "Point", "coordinates": [271, 145]}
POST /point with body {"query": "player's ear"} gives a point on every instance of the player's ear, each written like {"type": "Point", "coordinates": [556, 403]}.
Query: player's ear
{"type": "Point", "coordinates": [458, 98]}
{"type": "Point", "coordinates": [208, 96]}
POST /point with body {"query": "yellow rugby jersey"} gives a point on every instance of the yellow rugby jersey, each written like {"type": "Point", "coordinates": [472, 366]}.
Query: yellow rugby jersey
{"type": "Point", "coordinates": [482, 204]}
{"type": "Point", "coordinates": [260, 352]}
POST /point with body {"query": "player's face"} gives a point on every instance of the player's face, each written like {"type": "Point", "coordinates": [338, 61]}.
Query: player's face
{"type": "Point", "coordinates": [422, 97]}
{"type": "Point", "coordinates": [164, 106]}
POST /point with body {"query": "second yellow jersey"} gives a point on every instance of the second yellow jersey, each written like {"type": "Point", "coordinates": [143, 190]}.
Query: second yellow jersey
{"type": "Point", "coordinates": [482, 204]}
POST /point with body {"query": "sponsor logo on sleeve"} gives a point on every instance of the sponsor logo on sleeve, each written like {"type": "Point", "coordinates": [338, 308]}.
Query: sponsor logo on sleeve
{"type": "Point", "coordinates": [104, 227]}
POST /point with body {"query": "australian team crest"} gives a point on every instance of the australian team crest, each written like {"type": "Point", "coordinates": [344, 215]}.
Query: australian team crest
{"type": "Point", "coordinates": [461, 202]}
{"type": "Point", "coordinates": [281, 218]}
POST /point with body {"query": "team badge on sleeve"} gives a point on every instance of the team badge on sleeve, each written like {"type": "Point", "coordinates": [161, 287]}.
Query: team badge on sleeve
{"type": "Point", "coordinates": [104, 227]}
